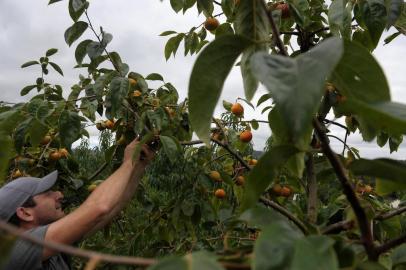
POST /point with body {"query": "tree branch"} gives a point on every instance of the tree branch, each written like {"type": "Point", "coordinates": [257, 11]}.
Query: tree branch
{"type": "Point", "coordinates": [390, 214]}
{"type": "Point", "coordinates": [275, 32]}
{"type": "Point", "coordinates": [348, 190]}
{"type": "Point", "coordinates": [391, 244]}
{"type": "Point", "coordinates": [92, 255]}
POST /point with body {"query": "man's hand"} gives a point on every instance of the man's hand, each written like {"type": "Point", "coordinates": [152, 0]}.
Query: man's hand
{"type": "Point", "coordinates": [144, 158]}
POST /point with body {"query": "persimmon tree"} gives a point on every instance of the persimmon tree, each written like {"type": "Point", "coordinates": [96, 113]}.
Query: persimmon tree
{"type": "Point", "coordinates": [301, 205]}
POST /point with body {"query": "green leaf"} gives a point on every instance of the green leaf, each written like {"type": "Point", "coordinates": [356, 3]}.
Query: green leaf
{"type": "Point", "coordinates": [251, 22]}
{"type": "Point", "coordinates": [314, 252]}
{"type": "Point", "coordinates": [274, 247]}
{"type": "Point", "coordinates": [51, 52]}
{"type": "Point", "coordinates": [27, 89]}
{"type": "Point", "coordinates": [264, 172]}
{"type": "Point", "coordinates": [398, 256]}
{"type": "Point", "coordinates": [374, 15]}
{"type": "Point", "coordinates": [394, 12]}
{"type": "Point", "coordinates": [118, 90]}
{"type": "Point", "coordinates": [74, 32]}
{"type": "Point", "coordinates": [280, 136]}
{"type": "Point", "coordinates": [209, 72]}
{"type": "Point", "coordinates": [154, 77]}
{"type": "Point", "coordinates": [395, 141]}
{"type": "Point", "coordinates": [20, 134]}
{"type": "Point", "coordinates": [69, 128]}
{"type": "Point", "coordinates": [76, 8]}
{"type": "Point", "coordinates": [53, 1]}
{"type": "Point", "coordinates": [389, 117]}
{"type": "Point", "coordinates": [167, 33]}
{"type": "Point", "coordinates": [36, 131]}
{"type": "Point", "coordinates": [301, 12]}
{"type": "Point", "coordinates": [297, 85]}
{"type": "Point", "coordinates": [29, 63]}
{"type": "Point", "coordinates": [206, 6]}
{"type": "Point", "coordinates": [391, 37]}
{"type": "Point", "coordinates": [56, 67]}
{"type": "Point", "coordinates": [263, 98]}
{"type": "Point", "coordinates": [224, 29]}
{"type": "Point", "coordinates": [172, 45]}
{"type": "Point", "coordinates": [171, 147]}
{"type": "Point", "coordinates": [6, 154]}
{"type": "Point", "coordinates": [392, 171]}
{"type": "Point", "coordinates": [260, 216]}
{"type": "Point", "coordinates": [81, 50]}
{"type": "Point", "coordinates": [254, 124]}
{"type": "Point", "coordinates": [339, 18]}
{"type": "Point", "coordinates": [177, 5]}
{"type": "Point", "coordinates": [368, 265]}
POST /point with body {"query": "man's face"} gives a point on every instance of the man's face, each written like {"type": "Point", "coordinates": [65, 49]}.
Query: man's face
{"type": "Point", "coordinates": [48, 207]}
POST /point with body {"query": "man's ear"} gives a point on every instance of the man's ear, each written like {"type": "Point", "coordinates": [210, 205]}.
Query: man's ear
{"type": "Point", "coordinates": [25, 214]}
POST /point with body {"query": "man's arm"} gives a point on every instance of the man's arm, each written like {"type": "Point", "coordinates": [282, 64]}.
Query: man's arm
{"type": "Point", "coordinates": [105, 201]}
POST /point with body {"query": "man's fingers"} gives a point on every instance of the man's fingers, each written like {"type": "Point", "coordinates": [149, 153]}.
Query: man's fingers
{"type": "Point", "coordinates": [147, 151]}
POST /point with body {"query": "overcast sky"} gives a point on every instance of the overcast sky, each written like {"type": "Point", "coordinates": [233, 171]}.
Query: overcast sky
{"type": "Point", "coordinates": [28, 28]}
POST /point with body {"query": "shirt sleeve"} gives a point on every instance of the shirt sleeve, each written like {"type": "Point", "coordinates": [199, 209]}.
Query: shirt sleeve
{"type": "Point", "coordinates": [26, 255]}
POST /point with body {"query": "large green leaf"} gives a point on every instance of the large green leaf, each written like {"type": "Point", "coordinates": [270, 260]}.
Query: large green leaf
{"type": "Point", "coordinates": [27, 89]}
{"type": "Point", "coordinates": [69, 127]}
{"type": "Point", "coordinates": [81, 50]}
{"type": "Point", "coordinates": [172, 45]}
{"type": "Point", "coordinates": [280, 136]}
{"type": "Point", "coordinates": [274, 247]}
{"type": "Point", "coordinates": [398, 255]}
{"type": "Point", "coordinates": [252, 22]}
{"type": "Point", "coordinates": [171, 147]}
{"type": "Point", "coordinates": [206, 6]}
{"type": "Point", "coordinates": [374, 15]}
{"type": "Point", "coordinates": [118, 90]}
{"type": "Point", "coordinates": [207, 79]}
{"type": "Point", "coordinates": [264, 172]}
{"type": "Point", "coordinates": [75, 31]}
{"type": "Point", "coordinates": [76, 8]}
{"type": "Point", "coordinates": [314, 252]}
{"type": "Point", "coordinates": [339, 18]}
{"type": "Point", "coordinates": [386, 170]}
{"type": "Point", "coordinates": [29, 63]}
{"type": "Point", "coordinates": [260, 216]}
{"type": "Point", "coordinates": [6, 154]}
{"type": "Point", "coordinates": [37, 131]}
{"type": "Point", "coordinates": [297, 85]}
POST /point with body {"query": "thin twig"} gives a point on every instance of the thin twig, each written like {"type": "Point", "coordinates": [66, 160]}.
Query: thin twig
{"type": "Point", "coordinates": [365, 228]}
{"type": "Point", "coordinates": [286, 213]}
{"type": "Point", "coordinates": [390, 214]}
{"type": "Point", "coordinates": [341, 225]}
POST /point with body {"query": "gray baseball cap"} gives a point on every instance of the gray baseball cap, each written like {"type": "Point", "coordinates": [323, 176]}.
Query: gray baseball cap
{"type": "Point", "coordinates": [16, 192]}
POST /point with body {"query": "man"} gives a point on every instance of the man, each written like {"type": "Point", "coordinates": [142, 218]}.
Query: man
{"type": "Point", "coordinates": [30, 203]}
